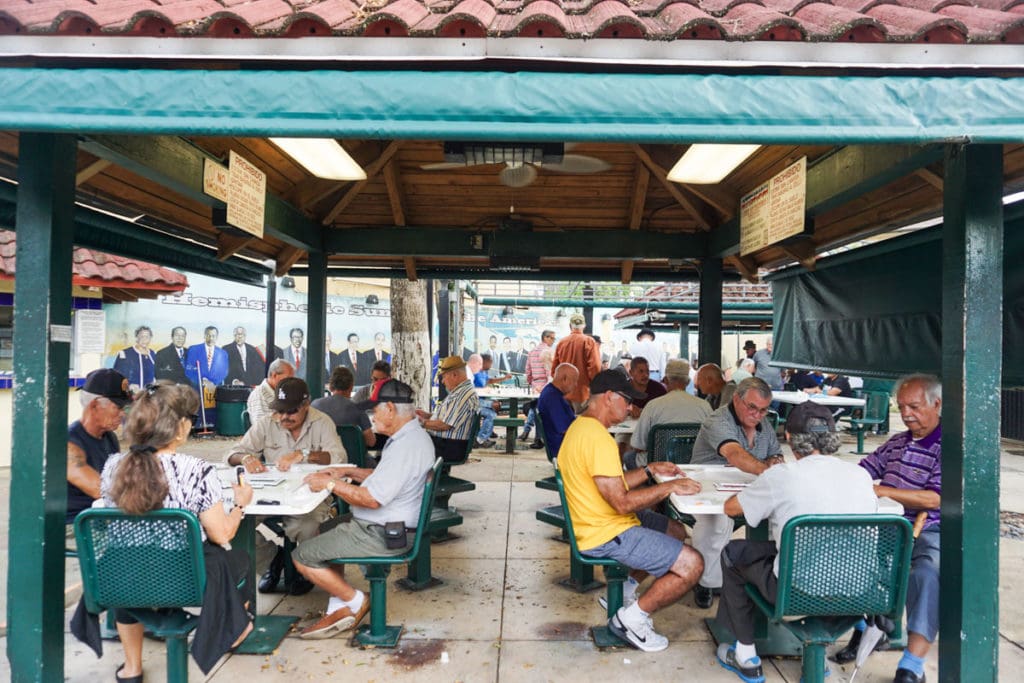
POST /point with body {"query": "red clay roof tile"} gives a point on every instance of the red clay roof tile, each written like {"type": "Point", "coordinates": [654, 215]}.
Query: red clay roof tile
{"type": "Point", "coordinates": [949, 21]}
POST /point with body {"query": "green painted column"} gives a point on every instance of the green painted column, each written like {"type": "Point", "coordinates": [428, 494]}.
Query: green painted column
{"type": "Point", "coordinates": [42, 335]}
{"type": "Point", "coordinates": [316, 325]}
{"type": "Point", "coordinates": [684, 341]}
{"type": "Point", "coordinates": [709, 325]}
{"type": "Point", "coordinates": [971, 364]}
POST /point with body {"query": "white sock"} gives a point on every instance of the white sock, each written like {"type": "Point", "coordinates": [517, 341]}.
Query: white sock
{"type": "Point", "coordinates": [629, 587]}
{"type": "Point", "coordinates": [356, 603]}
{"type": "Point", "coordinates": [744, 652]}
{"type": "Point", "coordinates": [334, 604]}
{"type": "Point", "coordinates": [633, 614]}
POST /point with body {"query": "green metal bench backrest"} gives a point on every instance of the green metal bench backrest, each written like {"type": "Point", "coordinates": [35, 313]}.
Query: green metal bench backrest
{"type": "Point", "coordinates": [355, 446]}
{"type": "Point", "coordinates": [565, 511]}
{"type": "Point", "coordinates": [877, 406]}
{"type": "Point", "coordinates": [150, 560]}
{"type": "Point", "coordinates": [425, 508]}
{"type": "Point", "coordinates": [663, 442]}
{"type": "Point", "coordinates": [543, 436]}
{"type": "Point", "coordinates": [844, 565]}
{"type": "Point", "coordinates": [474, 430]}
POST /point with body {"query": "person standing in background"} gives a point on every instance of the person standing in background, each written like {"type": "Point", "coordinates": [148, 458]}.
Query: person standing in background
{"type": "Point", "coordinates": [646, 348]}
{"type": "Point", "coordinates": [582, 352]}
{"type": "Point", "coordinates": [138, 362]}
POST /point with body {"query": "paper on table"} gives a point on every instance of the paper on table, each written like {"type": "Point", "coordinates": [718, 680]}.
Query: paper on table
{"type": "Point", "coordinates": [729, 486]}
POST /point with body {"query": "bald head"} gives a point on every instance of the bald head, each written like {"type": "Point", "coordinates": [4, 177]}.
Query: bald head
{"type": "Point", "coordinates": [566, 377]}
{"type": "Point", "coordinates": [474, 363]}
{"type": "Point", "coordinates": [709, 380]}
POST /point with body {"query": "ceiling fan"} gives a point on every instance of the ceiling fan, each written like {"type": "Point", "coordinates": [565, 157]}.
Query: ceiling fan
{"type": "Point", "coordinates": [521, 159]}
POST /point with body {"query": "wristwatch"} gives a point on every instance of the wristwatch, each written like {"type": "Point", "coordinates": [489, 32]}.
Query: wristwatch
{"type": "Point", "coordinates": [305, 455]}
{"type": "Point", "coordinates": [650, 475]}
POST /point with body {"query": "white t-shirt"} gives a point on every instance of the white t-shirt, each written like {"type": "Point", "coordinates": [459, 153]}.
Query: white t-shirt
{"type": "Point", "coordinates": [650, 351]}
{"type": "Point", "coordinates": [815, 484]}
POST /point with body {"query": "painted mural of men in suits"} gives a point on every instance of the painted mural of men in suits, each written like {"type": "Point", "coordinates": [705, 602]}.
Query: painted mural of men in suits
{"type": "Point", "coordinates": [138, 362]}
{"type": "Point", "coordinates": [331, 359]}
{"type": "Point", "coordinates": [246, 365]}
{"type": "Point", "coordinates": [351, 358]}
{"type": "Point", "coordinates": [210, 359]}
{"type": "Point", "coordinates": [295, 353]}
{"type": "Point", "coordinates": [370, 356]}
{"type": "Point", "coordinates": [170, 360]}
{"type": "Point", "coordinates": [505, 357]}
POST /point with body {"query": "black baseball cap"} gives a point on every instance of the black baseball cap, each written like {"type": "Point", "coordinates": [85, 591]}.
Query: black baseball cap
{"type": "Point", "coordinates": [810, 418]}
{"type": "Point", "coordinates": [613, 380]}
{"type": "Point", "coordinates": [109, 384]}
{"type": "Point", "coordinates": [387, 391]}
{"type": "Point", "coordinates": [289, 395]}
{"type": "Point", "coordinates": [645, 332]}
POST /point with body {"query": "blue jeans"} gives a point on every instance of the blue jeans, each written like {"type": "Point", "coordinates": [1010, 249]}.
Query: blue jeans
{"type": "Point", "coordinates": [531, 418]}
{"type": "Point", "coordinates": [923, 587]}
{"type": "Point", "coordinates": [487, 416]}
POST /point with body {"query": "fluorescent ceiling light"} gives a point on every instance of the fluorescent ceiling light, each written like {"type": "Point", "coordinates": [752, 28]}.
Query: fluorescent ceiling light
{"type": "Point", "coordinates": [709, 164]}
{"type": "Point", "coordinates": [323, 157]}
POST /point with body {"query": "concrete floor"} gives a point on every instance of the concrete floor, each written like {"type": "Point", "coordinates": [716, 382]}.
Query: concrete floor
{"type": "Point", "coordinates": [501, 615]}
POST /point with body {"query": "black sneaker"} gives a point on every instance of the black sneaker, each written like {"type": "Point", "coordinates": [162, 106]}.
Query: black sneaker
{"type": "Point", "coordinates": [702, 596]}
{"type": "Point", "coordinates": [486, 444]}
{"type": "Point", "coordinates": [748, 671]}
{"type": "Point", "coordinates": [537, 445]}
{"type": "Point", "coordinates": [849, 653]}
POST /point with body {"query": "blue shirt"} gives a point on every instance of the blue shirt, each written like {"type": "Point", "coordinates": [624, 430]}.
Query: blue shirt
{"type": "Point", "coordinates": [480, 379]}
{"type": "Point", "coordinates": [557, 414]}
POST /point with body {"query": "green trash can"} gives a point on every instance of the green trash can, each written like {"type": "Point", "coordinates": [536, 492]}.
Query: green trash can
{"type": "Point", "coordinates": [231, 403]}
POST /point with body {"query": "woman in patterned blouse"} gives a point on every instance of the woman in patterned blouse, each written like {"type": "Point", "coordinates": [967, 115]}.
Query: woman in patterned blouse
{"type": "Point", "coordinates": [152, 475]}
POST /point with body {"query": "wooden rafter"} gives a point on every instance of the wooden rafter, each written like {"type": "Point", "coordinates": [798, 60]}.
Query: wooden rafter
{"type": "Point", "coordinates": [371, 170]}
{"type": "Point", "coordinates": [393, 185]}
{"type": "Point", "coordinates": [641, 181]}
{"type": "Point", "coordinates": [802, 251]}
{"type": "Point", "coordinates": [89, 171]}
{"type": "Point", "coordinates": [930, 177]}
{"type": "Point", "coordinates": [627, 272]}
{"type": "Point", "coordinates": [723, 200]}
{"type": "Point", "coordinates": [287, 258]}
{"type": "Point", "coordinates": [746, 266]}
{"type": "Point", "coordinates": [228, 245]}
{"type": "Point", "coordinates": [662, 175]}
{"type": "Point", "coordinates": [410, 268]}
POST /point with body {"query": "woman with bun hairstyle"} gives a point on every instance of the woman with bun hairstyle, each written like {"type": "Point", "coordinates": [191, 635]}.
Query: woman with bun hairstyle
{"type": "Point", "coordinates": [151, 475]}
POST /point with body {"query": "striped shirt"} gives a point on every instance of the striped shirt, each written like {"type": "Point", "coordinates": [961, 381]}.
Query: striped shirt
{"type": "Point", "coordinates": [457, 409]}
{"type": "Point", "coordinates": [905, 463]}
{"type": "Point", "coordinates": [536, 371]}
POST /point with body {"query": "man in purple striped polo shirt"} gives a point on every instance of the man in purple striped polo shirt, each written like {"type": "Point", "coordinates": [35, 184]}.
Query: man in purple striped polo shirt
{"type": "Point", "coordinates": [909, 467]}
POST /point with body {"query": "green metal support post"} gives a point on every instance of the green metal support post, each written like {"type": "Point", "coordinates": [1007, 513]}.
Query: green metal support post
{"type": "Point", "coordinates": [684, 341]}
{"type": "Point", "coordinates": [709, 326]}
{"type": "Point", "coordinates": [42, 336]}
{"type": "Point", "coordinates": [316, 323]}
{"type": "Point", "coordinates": [971, 365]}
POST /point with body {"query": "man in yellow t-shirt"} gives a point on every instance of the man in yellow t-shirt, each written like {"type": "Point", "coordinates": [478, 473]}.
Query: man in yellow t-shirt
{"type": "Point", "coordinates": [611, 516]}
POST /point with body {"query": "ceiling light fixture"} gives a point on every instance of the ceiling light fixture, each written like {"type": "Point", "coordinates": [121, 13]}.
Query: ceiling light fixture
{"type": "Point", "coordinates": [709, 164]}
{"type": "Point", "coordinates": [323, 157]}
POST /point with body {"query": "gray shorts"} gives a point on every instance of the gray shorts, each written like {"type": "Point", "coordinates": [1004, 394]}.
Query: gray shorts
{"type": "Point", "coordinates": [354, 538]}
{"type": "Point", "coordinates": [646, 547]}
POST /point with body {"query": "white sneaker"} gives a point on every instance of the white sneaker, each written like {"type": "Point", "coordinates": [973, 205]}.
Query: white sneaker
{"type": "Point", "coordinates": [640, 635]}
{"type": "Point", "coordinates": [627, 600]}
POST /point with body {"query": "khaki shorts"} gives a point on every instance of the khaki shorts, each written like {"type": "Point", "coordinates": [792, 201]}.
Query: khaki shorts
{"type": "Point", "coordinates": [354, 538]}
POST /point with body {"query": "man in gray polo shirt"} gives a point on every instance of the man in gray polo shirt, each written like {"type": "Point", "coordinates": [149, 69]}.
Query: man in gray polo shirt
{"type": "Point", "coordinates": [393, 492]}
{"type": "Point", "coordinates": [739, 435]}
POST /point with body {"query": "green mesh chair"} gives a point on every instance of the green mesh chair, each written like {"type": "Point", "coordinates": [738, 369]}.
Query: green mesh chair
{"type": "Point", "coordinates": [355, 446]}
{"type": "Point", "coordinates": [379, 633]}
{"type": "Point", "coordinates": [614, 574]}
{"type": "Point", "coordinates": [672, 441]}
{"type": "Point", "coordinates": [145, 562]}
{"type": "Point", "coordinates": [834, 569]}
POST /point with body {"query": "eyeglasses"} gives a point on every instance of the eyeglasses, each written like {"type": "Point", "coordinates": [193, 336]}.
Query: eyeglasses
{"type": "Point", "coordinates": [755, 409]}
{"type": "Point", "coordinates": [627, 399]}
{"type": "Point", "coordinates": [288, 412]}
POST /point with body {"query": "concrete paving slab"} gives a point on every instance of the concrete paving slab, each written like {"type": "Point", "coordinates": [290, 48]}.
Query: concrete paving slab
{"type": "Point", "coordinates": [529, 538]}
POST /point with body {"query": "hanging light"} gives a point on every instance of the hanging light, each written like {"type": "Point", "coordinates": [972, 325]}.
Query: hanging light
{"type": "Point", "coordinates": [709, 164]}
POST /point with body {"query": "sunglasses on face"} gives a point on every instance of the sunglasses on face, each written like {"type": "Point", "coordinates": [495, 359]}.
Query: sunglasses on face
{"type": "Point", "coordinates": [627, 399]}
{"type": "Point", "coordinates": [288, 412]}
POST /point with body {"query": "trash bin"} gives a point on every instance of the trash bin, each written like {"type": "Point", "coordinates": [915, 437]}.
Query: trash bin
{"type": "Point", "coordinates": [230, 407]}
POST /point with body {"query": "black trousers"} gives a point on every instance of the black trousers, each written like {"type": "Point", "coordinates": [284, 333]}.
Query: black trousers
{"type": "Point", "coordinates": [745, 562]}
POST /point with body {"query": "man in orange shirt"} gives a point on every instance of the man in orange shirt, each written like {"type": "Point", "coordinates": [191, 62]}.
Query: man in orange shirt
{"type": "Point", "coordinates": [582, 352]}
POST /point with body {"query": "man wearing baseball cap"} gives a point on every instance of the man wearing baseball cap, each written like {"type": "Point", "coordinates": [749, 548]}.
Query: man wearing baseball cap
{"type": "Point", "coordinates": [91, 440]}
{"type": "Point", "coordinates": [582, 352]}
{"type": "Point", "coordinates": [612, 517]}
{"type": "Point", "coordinates": [816, 483]}
{"type": "Point", "coordinates": [393, 492]}
{"type": "Point", "coordinates": [294, 432]}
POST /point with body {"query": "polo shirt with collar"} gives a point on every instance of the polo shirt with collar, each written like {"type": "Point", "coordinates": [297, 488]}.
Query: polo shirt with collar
{"type": "Point", "coordinates": [723, 427]}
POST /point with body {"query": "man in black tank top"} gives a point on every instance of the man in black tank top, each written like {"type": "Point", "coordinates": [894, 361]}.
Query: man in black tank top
{"type": "Point", "coordinates": [91, 440]}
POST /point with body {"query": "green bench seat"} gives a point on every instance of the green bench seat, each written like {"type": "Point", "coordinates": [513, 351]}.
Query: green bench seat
{"type": "Point", "coordinates": [419, 574]}
{"type": "Point", "coordinates": [876, 414]}
{"type": "Point", "coordinates": [379, 633]}
{"type": "Point", "coordinates": [447, 485]}
{"type": "Point", "coordinates": [834, 569]}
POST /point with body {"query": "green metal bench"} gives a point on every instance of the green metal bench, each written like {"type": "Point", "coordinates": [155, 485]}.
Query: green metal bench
{"type": "Point", "coordinates": [672, 442]}
{"type": "Point", "coordinates": [834, 569]}
{"type": "Point", "coordinates": [876, 414]}
{"type": "Point", "coordinates": [447, 486]}
{"type": "Point", "coordinates": [355, 445]}
{"type": "Point", "coordinates": [144, 562]}
{"type": "Point", "coordinates": [418, 575]}
{"type": "Point", "coordinates": [511, 425]}
{"type": "Point", "coordinates": [379, 633]}
{"type": "Point", "coordinates": [614, 574]}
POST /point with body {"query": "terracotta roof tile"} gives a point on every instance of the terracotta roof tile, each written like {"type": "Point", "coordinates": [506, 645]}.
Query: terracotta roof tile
{"type": "Point", "coordinates": [946, 21]}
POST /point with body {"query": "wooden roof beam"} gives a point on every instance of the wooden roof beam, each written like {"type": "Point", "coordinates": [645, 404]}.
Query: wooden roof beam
{"type": "Point", "coordinates": [228, 244]}
{"type": "Point", "coordinates": [371, 170]}
{"type": "Point", "coordinates": [802, 251]}
{"type": "Point", "coordinates": [95, 168]}
{"type": "Point", "coordinates": [745, 266]}
{"type": "Point", "coordinates": [410, 268]}
{"type": "Point", "coordinates": [930, 177]}
{"type": "Point", "coordinates": [691, 207]}
{"type": "Point", "coordinates": [287, 258]}
{"type": "Point", "coordinates": [627, 272]}
{"type": "Point", "coordinates": [394, 188]}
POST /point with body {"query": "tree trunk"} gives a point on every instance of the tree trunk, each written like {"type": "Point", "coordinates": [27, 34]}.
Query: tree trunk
{"type": "Point", "coordinates": [411, 342]}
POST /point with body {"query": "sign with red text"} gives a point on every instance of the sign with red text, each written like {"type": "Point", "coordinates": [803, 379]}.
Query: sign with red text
{"type": "Point", "coordinates": [247, 195]}
{"type": "Point", "coordinates": [774, 210]}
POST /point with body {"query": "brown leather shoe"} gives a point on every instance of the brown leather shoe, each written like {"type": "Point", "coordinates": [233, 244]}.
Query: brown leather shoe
{"type": "Point", "coordinates": [336, 622]}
